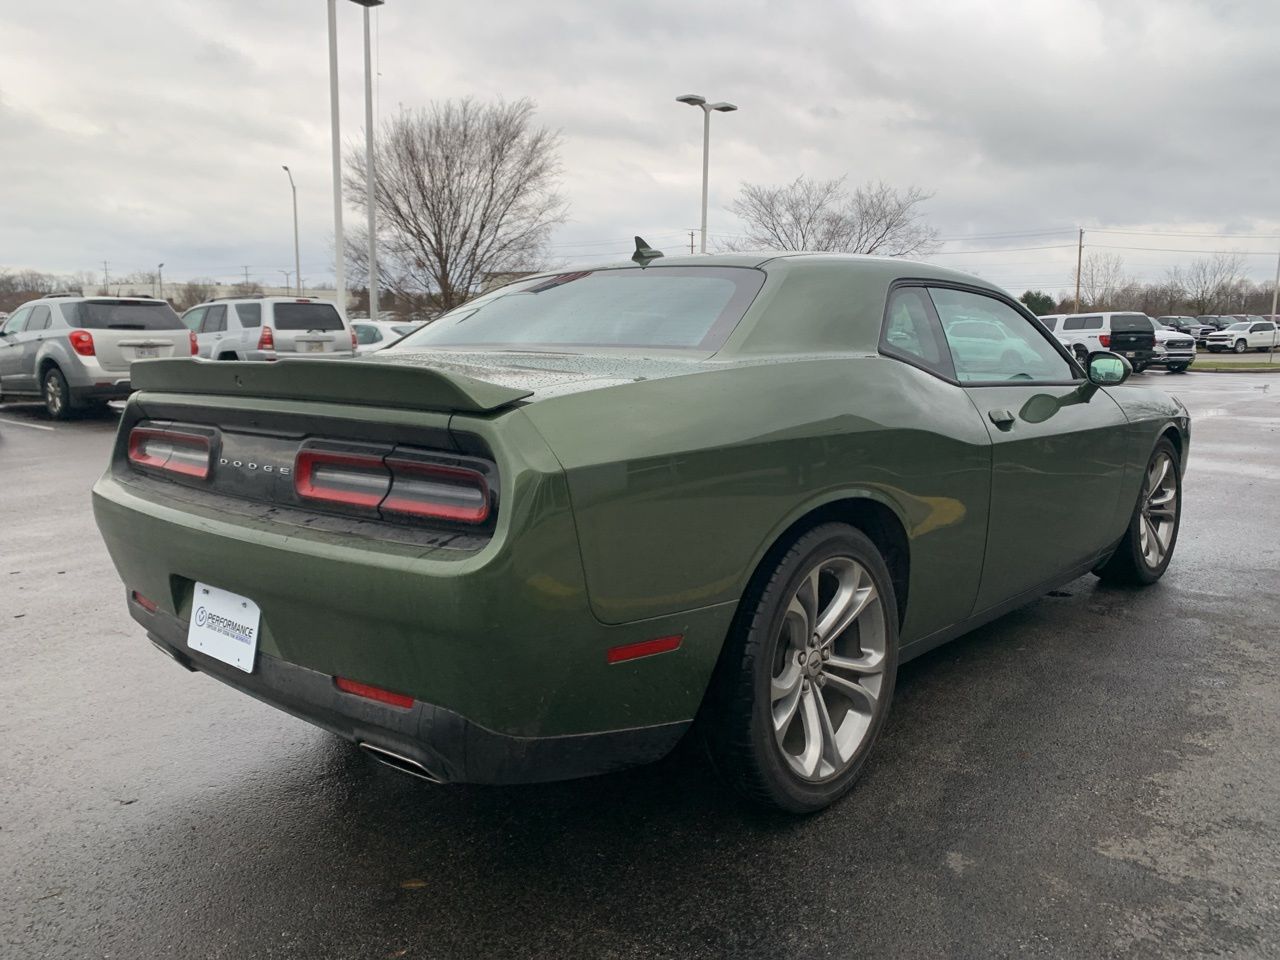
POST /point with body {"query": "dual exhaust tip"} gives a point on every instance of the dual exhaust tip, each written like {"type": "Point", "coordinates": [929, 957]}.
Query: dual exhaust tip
{"type": "Point", "coordinates": [399, 762]}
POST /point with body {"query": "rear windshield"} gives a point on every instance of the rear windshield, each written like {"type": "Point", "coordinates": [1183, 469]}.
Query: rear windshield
{"type": "Point", "coordinates": [668, 308]}
{"type": "Point", "coordinates": [121, 315]}
{"type": "Point", "coordinates": [1131, 323]}
{"type": "Point", "coordinates": [307, 316]}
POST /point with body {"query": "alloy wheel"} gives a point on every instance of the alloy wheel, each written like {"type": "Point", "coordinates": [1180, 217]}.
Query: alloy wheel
{"type": "Point", "coordinates": [53, 393]}
{"type": "Point", "coordinates": [828, 668]}
{"type": "Point", "coordinates": [1159, 510]}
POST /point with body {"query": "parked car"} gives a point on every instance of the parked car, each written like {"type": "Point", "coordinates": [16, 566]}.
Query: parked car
{"type": "Point", "coordinates": [1132, 335]}
{"type": "Point", "coordinates": [1174, 350]}
{"type": "Point", "coordinates": [373, 335]}
{"type": "Point", "coordinates": [1050, 320]}
{"type": "Point", "coordinates": [269, 328]}
{"type": "Point", "coordinates": [1188, 325]}
{"type": "Point", "coordinates": [72, 352]}
{"type": "Point", "coordinates": [536, 538]}
{"type": "Point", "coordinates": [1243, 336]}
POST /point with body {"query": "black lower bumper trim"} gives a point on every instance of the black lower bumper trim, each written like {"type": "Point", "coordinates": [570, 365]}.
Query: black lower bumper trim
{"type": "Point", "coordinates": [451, 748]}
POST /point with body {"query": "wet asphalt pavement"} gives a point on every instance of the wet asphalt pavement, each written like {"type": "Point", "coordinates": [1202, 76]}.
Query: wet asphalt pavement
{"type": "Point", "coordinates": [1095, 775]}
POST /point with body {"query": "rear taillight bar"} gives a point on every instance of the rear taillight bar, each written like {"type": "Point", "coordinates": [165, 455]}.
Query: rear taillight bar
{"type": "Point", "coordinates": [404, 484]}
{"type": "Point", "coordinates": [171, 451]}
{"type": "Point", "coordinates": [437, 491]}
{"type": "Point", "coordinates": [349, 479]}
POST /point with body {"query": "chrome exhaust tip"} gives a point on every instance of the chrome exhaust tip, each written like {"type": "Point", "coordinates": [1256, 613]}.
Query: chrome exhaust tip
{"type": "Point", "coordinates": [398, 762]}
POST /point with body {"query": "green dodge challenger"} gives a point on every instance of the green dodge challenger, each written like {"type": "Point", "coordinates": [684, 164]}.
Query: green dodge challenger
{"type": "Point", "coordinates": [542, 536]}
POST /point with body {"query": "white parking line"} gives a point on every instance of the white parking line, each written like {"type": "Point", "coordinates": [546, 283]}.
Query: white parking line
{"type": "Point", "coordinates": [19, 423]}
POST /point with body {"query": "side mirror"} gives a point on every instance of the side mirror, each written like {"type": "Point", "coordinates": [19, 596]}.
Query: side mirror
{"type": "Point", "coordinates": [1108, 369]}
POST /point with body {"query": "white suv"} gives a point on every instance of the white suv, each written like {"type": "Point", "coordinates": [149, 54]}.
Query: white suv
{"type": "Point", "coordinates": [1243, 336]}
{"type": "Point", "coordinates": [1132, 335]}
{"type": "Point", "coordinates": [270, 328]}
{"type": "Point", "coordinates": [73, 351]}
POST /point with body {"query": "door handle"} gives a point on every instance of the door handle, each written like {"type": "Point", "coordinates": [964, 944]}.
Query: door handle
{"type": "Point", "coordinates": [1001, 418]}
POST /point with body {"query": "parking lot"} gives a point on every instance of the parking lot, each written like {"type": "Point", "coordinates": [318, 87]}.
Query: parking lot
{"type": "Point", "coordinates": [1093, 775]}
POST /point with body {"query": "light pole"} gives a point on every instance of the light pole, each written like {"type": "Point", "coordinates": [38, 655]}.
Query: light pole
{"type": "Point", "coordinates": [160, 278]}
{"type": "Point", "coordinates": [370, 175]}
{"type": "Point", "coordinates": [335, 136]}
{"type": "Point", "coordinates": [287, 275]}
{"type": "Point", "coordinates": [297, 260]}
{"type": "Point", "coordinates": [693, 100]}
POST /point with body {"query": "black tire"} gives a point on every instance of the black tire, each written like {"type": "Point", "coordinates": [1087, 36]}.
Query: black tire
{"type": "Point", "coordinates": [1082, 356]}
{"type": "Point", "coordinates": [1178, 368]}
{"type": "Point", "coordinates": [1140, 367]}
{"type": "Point", "coordinates": [56, 394]}
{"type": "Point", "coordinates": [1241, 346]}
{"type": "Point", "coordinates": [737, 717]}
{"type": "Point", "coordinates": [1128, 565]}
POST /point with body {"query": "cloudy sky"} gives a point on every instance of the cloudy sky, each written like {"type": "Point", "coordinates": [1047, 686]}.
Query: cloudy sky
{"type": "Point", "coordinates": [146, 132]}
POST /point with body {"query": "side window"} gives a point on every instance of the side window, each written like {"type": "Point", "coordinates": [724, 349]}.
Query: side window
{"type": "Point", "coordinates": [990, 340]}
{"type": "Point", "coordinates": [249, 314]}
{"type": "Point", "coordinates": [18, 322]}
{"type": "Point", "coordinates": [39, 319]}
{"type": "Point", "coordinates": [366, 333]}
{"type": "Point", "coordinates": [1093, 323]}
{"type": "Point", "coordinates": [1256, 328]}
{"type": "Point", "coordinates": [215, 320]}
{"type": "Point", "coordinates": [911, 331]}
{"type": "Point", "coordinates": [1050, 323]}
{"type": "Point", "coordinates": [193, 317]}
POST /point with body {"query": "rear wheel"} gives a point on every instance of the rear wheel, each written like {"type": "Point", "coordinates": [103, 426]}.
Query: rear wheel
{"type": "Point", "coordinates": [1147, 547]}
{"type": "Point", "coordinates": [1082, 355]}
{"type": "Point", "coordinates": [807, 674]}
{"type": "Point", "coordinates": [57, 396]}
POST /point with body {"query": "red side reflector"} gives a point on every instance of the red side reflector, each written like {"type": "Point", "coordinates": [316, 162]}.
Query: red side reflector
{"type": "Point", "coordinates": [645, 648]}
{"type": "Point", "coordinates": [195, 344]}
{"type": "Point", "coordinates": [170, 450]}
{"type": "Point", "coordinates": [373, 693]}
{"type": "Point", "coordinates": [148, 605]}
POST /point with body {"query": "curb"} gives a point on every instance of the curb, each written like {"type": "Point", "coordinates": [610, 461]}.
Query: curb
{"type": "Point", "coordinates": [1274, 368]}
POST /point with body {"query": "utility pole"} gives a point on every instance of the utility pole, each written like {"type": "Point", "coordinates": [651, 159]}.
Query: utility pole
{"type": "Point", "coordinates": [370, 172]}
{"type": "Point", "coordinates": [246, 279]}
{"type": "Point", "coordinates": [1079, 262]}
{"type": "Point", "coordinates": [106, 279]}
{"type": "Point", "coordinates": [691, 242]}
{"type": "Point", "coordinates": [1275, 292]}
{"type": "Point", "coordinates": [160, 279]}
{"type": "Point", "coordinates": [287, 275]}
{"type": "Point", "coordinates": [335, 138]}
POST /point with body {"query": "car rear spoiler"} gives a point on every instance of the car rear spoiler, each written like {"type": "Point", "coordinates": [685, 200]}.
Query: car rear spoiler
{"type": "Point", "coordinates": [329, 381]}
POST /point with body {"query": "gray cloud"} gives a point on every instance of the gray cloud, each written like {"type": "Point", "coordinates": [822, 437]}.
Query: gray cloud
{"type": "Point", "coordinates": [141, 132]}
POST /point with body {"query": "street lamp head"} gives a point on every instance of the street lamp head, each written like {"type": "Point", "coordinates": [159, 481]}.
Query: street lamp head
{"type": "Point", "coordinates": [284, 167]}
{"type": "Point", "coordinates": [723, 107]}
{"type": "Point", "coordinates": [692, 99]}
{"type": "Point", "coordinates": [369, 3]}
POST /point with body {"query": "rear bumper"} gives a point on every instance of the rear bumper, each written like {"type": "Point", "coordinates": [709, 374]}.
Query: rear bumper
{"type": "Point", "coordinates": [116, 389]}
{"type": "Point", "coordinates": [451, 748]}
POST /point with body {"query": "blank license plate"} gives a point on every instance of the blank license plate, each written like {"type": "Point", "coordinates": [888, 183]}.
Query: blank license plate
{"type": "Point", "coordinates": [144, 352]}
{"type": "Point", "coordinates": [224, 625]}
{"type": "Point", "coordinates": [313, 347]}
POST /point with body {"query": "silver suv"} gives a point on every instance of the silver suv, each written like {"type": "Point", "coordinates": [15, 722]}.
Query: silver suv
{"type": "Point", "coordinates": [75, 351]}
{"type": "Point", "coordinates": [269, 328]}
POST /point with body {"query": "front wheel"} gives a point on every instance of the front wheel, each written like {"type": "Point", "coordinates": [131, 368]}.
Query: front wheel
{"type": "Point", "coordinates": [807, 673]}
{"type": "Point", "coordinates": [1147, 547]}
{"type": "Point", "coordinates": [1178, 368]}
{"type": "Point", "coordinates": [57, 396]}
{"type": "Point", "coordinates": [1241, 346]}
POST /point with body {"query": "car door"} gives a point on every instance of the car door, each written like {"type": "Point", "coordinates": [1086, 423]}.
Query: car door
{"type": "Point", "coordinates": [1262, 336]}
{"type": "Point", "coordinates": [192, 320]}
{"type": "Point", "coordinates": [1058, 450]}
{"type": "Point", "coordinates": [212, 329]}
{"type": "Point", "coordinates": [11, 348]}
{"type": "Point", "coordinates": [29, 341]}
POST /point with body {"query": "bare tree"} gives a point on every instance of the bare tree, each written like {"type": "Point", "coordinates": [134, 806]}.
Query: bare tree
{"type": "Point", "coordinates": [464, 189]}
{"type": "Point", "coordinates": [822, 215]}
{"type": "Point", "coordinates": [193, 292]}
{"type": "Point", "coordinates": [1101, 281]}
{"type": "Point", "coordinates": [1208, 280]}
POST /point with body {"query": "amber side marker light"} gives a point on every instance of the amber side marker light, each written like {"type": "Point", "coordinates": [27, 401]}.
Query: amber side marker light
{"type": "Point", "coordinates": [370, 692]}
{"type": "Point", "coordinates": [645, 648]}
